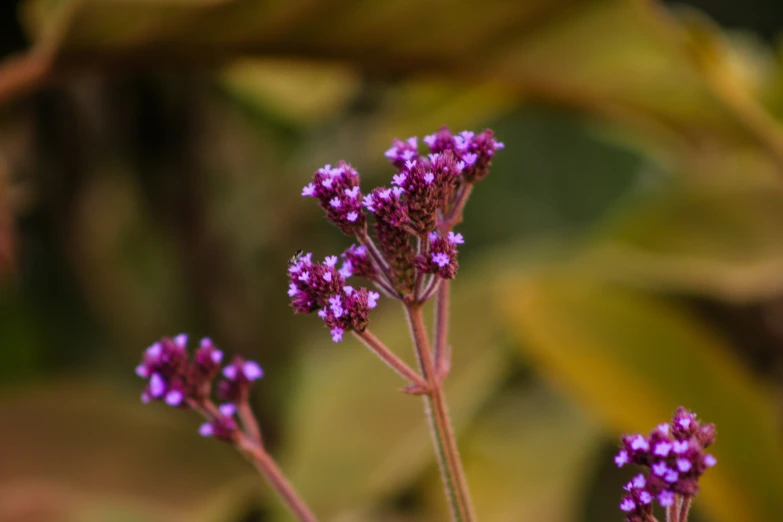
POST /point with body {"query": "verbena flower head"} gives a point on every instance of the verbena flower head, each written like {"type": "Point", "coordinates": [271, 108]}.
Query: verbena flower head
{"type": "Point", "coordinates": [676, 457]}
{"type": "Point", "coordinates": [441, 258]}
{"type": "Point", "coordinates": [414, 246]}
{"type": "Point", "coordinates": [321, 287]}
{"type": "Point", "coordinates": [185, 381]}
{"type": "Point", "coordinates": [475, 150]}
{"type": "Point", "coordinates": [357, 263]}
{"type": "Point", "coordinates": [337, 191]}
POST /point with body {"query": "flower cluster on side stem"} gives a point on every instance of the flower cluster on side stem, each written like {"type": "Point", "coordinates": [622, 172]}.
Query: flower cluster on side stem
{"type": "Point", "coordinates": [413, 249]}
{"type": "Point", "coordinates": [675, 455]}
{"type": "Point", "coordinates": [186, 381]}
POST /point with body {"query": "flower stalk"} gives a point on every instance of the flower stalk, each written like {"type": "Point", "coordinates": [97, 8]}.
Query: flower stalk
{"type": "Point", "coordinates": [445, 442]}
{"type": "Point", "coordinates": [269, 469]}
{"type": "Point", "coordinates": [413, 258]}
{"type": "Point", "coordinates": [387, 356]}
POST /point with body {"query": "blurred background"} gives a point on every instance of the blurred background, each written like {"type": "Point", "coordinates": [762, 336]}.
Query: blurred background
{"type": "Point", "coordinates": [624, 257]}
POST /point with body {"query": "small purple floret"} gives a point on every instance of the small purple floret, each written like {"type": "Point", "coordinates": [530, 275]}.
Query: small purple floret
{"type": "Point", "coordinates": [252, 371]}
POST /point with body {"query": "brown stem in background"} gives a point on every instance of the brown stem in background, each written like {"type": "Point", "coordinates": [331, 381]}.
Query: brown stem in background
{"type": "Point", "coordinates": [254, 451]}
{"type": "Point", "coordinates": [392, 361]}
{"type": "Point", "coordinates": [452, 474]}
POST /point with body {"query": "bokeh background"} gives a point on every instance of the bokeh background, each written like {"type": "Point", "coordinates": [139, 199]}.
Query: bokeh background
{"type": "Point", "coordinates": [624, 257]}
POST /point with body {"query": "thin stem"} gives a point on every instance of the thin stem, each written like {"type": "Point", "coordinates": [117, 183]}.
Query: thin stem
{"type": "Point", "coordinates": [441, 322]}
{"type": "Point", "coordinates": [429, 289]}
{"type": "Point", "coordinates": [672, 513]}
{"type": "Point", "coordinates": [387, 290]}
{"type": "Point", "coordinates": [254, 451]}
{"type": "Point", "coordinates": [455, 216]}
{"type": "Point", "coordinates": [249, 422]}
{"type": "Point", "coordinates": [395, 363]}
{"type": "Point", "coordinates": [420, 247]}
{"type": "Point", "coordinates": [383, 267]}
{"type": "Point", "coordinates": [274, 476]}
{"type": "Point", "coordinates": [685, 507]}
{"type": "Point", "coordinates": [445, 443]}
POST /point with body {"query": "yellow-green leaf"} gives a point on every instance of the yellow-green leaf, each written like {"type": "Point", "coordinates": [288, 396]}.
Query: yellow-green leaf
{"type": "Point", "coordinates": [634, 359]}
{"type": "Point", "coordinates": [722, 241]}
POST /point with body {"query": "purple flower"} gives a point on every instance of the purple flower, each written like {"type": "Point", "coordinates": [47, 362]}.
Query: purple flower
{"type": "Point", "coordinates": [324, 291]}
{"type": "Point", "coordinates": [403, 151]}
{"type": "Point", "coordinates": [674, 454]}
{"type": "Point", "coordinates": [637, 504]}
{"type": "Point", "coordinates": [349, 310]}
{"type": "Point", "coordinates": [311, 284]}
{"type": "Point", "coordinates": [237, 379]}
{"type": "Point", "coordinates": [662, 449]}
{"type": "Point", "coordinates": [222, 427]}
{"type": "Point", "coordinates": [475, 151]}
{"type": "Point", "coordinates": [337, 191]}
{"type": "Point", "coordinates": [425, 195]}
{"type": "Point", "coordinates": [441, 258]}
{"type": "Point", "coordinates": [621, 459]}
{"type": "Point", "coordinates": [166, 366]}
{"type": "Point", "coordinates": [357, 263]}
{"type": "Point", "coordinates": [387, 206]}
{"type": "Point", "coordinates": [666, 498]}
{"type": "Point", "coordinates": [183, 380]}
{"type": "Point", "coordinates": [455, 239]}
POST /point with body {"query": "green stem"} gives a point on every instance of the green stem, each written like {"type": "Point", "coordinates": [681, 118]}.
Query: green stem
{"type": "Point", "coordinates": [453, 476]}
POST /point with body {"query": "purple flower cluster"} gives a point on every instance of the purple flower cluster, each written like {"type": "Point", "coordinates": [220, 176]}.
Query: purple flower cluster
{"type": "Point", "coordinates": [321, 287]}
{"type": "Point", "coordinates": [185, 381]}
{"type": "Point", "coordinates": [475, 150]}
{"type": "Point", "coordinates": [337, 190]}
{"type": "Point", "coordinates": [413, 218]}
{"type": "Point", "coordinates": [676, 457]}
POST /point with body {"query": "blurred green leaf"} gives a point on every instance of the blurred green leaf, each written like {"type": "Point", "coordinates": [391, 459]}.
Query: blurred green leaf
{"type": "Point", "coordinates": [634, 359]}
{"type": "Point", "coordinates": [349, 420]}
{"type": "Point", "coordinates": [619, 59]}
{"type": "Point", "coordinates": [720, 241]}
{"type": "Point", "coordinates": [300, 92]}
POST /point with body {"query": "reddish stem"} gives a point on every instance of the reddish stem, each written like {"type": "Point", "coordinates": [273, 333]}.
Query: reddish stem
{"type": "Point", "coordinates": [441, 321]}
{"type": "Point", "coordinates": [452, 474]}
{"type": "Point", "coordinates": [249, 422]}
{"type": "Point", "coordinates": [395, 363]}
{"type": "Point", "coordinates": [274, 476]}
